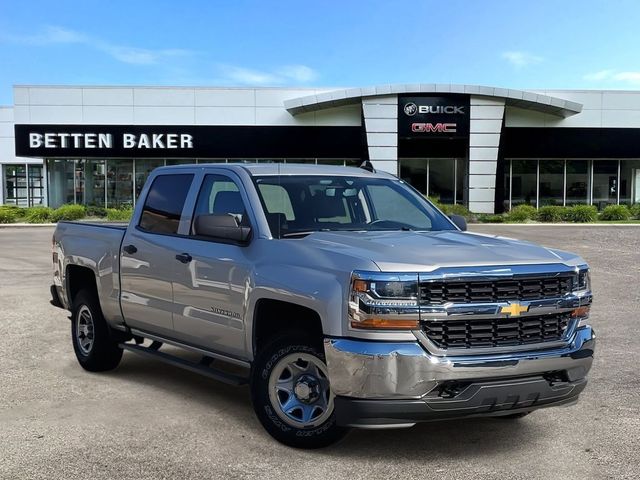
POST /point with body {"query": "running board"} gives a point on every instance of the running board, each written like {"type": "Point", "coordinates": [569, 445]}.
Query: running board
{"type": "Point", "coordinates": [202, 368]}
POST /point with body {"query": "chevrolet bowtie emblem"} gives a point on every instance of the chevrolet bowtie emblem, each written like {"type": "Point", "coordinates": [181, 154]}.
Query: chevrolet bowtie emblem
{"type": "Point", "coordinates": [514, 309]}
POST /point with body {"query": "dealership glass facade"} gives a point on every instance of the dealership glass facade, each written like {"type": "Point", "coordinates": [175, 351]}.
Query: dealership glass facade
{"type": "Point", "coordinates": [442, 178]}
{"type": "Point", "coordinates": [599, 182]}
{"type": "Point", "coordinates": [23, 184]}
{"type": "Point", "coordinates": [106, 182]}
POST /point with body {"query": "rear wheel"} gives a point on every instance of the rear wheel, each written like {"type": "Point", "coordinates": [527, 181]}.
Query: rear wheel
{"type": "Point", "coordinates": [291, 393]}
{"type": "Point", "coordinates": [95, 350]}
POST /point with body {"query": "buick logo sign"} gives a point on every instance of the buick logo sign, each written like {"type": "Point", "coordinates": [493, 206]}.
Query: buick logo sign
{"type": "Point", "coordinates": [410, 109]}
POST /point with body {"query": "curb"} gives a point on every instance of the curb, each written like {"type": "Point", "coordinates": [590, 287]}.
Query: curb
{"type": "Point", "coordinates": [558, 224]}
{"type": "Point", "coordinates": [26, 225]}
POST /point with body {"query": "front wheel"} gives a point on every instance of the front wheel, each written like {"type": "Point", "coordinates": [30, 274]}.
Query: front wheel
{"type": "Point", "coordinates": [291, 393]}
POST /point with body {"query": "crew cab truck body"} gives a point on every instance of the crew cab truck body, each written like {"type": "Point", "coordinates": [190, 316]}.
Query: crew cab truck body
{"type": "Point", "coordinates": [342, 296]}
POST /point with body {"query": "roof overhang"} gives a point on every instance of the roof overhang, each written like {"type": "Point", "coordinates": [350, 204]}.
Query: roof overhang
{"type": "Point", "coordinates": [517, 98]}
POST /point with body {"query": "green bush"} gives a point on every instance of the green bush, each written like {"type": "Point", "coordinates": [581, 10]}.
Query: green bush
{"type": "Point", "coordinates": [615, 212]}
{"type": "Point", "coordinates": [635, 210]}
{"type": "Point", "coordinates": [119, 215]}
{"type": "Point", "coordinates": [93, 211]}
{"type": "Point", "coordinates": [38, 214]}
{"type": "Point", "coordinates": [522, 213]}
{"type": "Point", "coordinates": [68, 212]}
{"type": "Point", "coordinates": [582, 214]}
{"type": "Point", "coordinates": [491, 218]}
{"type": "Point", "coordinates": [551, 214]}
{"type": "Point", "coordinates": [456, 209]}
{"type": "Point", "coordinates": [8, 215]}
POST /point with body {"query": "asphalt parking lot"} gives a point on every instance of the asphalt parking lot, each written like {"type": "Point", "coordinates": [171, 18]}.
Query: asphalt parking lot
{"type": "Point", "coordinates": [148, 420]}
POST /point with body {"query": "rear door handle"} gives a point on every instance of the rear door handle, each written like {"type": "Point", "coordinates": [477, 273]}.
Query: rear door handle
{"type": "Point", "coordinates": [130, 249]}
{"type": "Point", "coordinates": [184, 257]}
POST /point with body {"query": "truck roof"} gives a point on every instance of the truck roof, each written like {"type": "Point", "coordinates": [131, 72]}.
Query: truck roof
{"type": "Point", "coordinates": [287, 169]}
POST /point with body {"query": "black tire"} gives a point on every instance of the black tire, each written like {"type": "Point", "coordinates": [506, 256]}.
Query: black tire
{"type": "Point", "coordinates": [96, 352]}
{"type": "Point", "coordinates": [270, 415]}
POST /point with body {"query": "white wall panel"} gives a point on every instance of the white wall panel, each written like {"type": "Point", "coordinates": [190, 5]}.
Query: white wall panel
{"type": "Point", "coordinates": [380, 111]}
{"type": "Point", "coordinates": [381, 125]}
{"type": "Point", "coordinates": [482, 195]}
{"type": "Point", "coordinates": [164, 115]}
{"type": "Point", "coordinates": [486, 126]}
{"type": "Point", "coordinates": [621, 100]}
{"type": "Point", "coordinates": [6, 129]}
{"type": "Point", "coordinates": [55, 114]}
{"type": "Point", "coordinates": [487, 112]}
{"type": "Point", "coordinates": [482, 168]}
{"type": "Point", "coordinates": [105, 115]}
{"type": "Point", "coordinates": [383, 153]}
{"type": "Point", "coordinates": [382, 139]}
{"type": "Point", "coordinates": [225, 116]}
{"type": "Point", "coordinates": [482, 181]}
{"type": "Point", "coordinates": [55, 96]}
{"type": "Point", "coordinates": [163, 97]}
{"type": "Point", "coordinates": [20, 95]}
{"type": "Point", "coordinates": [621, 118]}
{"type": "Point", "coordinates": [107, 96]}
{"type": "Point", "coordinates": [21, 114]}
{"type": "Point", "coordinates": [279, 116]}
{"type": "Point", "coordinates": [349, 115]}
{"type": "Point", "coordinates": [484, 139]}
{"type": "Point", "coordinates": [225, 97]}
{"type": "Point", "coordinates": [6, 114]}
{"type": "Point", "coordinates": [386, 166]}
{"type": "Point", "coordinates": [483, 153]}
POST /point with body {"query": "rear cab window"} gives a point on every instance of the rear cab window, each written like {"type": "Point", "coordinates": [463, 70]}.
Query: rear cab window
{"type": "Point", "coordinates": [164, 203]}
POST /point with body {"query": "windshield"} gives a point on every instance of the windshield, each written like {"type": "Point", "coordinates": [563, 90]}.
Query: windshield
{"type": "Point", "coordinates": [296, 205]}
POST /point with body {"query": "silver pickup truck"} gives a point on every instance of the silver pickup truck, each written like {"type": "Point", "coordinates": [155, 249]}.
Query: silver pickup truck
{"type": "Point", "coordinates": [340, 295]}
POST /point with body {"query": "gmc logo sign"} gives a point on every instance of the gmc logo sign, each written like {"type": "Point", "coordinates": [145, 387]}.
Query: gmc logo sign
{"type": "Point", "coordinates": [434, 127]}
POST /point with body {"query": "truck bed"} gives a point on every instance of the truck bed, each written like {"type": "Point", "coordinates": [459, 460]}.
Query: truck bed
{"type": "Point", "coordinates": [95, 246]}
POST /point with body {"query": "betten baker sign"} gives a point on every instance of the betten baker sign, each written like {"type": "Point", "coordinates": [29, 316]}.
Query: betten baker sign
{"type": "Point", "coordinates": [433, 116]}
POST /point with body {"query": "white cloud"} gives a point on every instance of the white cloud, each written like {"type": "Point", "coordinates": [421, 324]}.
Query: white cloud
{"type": "Point", "coordinates": [53, 35]}
{"type": "Point", "coordinates": [278, 76]}
{"type": "Point", "coordinates": [521, 59]}
{"type": "Point", "coordinates": [629, 77]}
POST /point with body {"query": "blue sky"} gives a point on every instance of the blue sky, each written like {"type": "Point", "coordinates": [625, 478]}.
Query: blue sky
{"type": "Point", "coordinates": [518, 44]}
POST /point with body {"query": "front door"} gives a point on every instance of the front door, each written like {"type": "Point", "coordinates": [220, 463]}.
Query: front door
{"type": "Point", "coordinates": [210, 290]}
{"type": "Point", "coordinates": [147, 265]}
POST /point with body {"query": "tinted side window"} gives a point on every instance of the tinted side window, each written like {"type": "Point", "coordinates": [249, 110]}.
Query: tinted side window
{"type": "Point", "coordinates": [220, 195]}
{"type": "Point", "coordinates": [164, 203]}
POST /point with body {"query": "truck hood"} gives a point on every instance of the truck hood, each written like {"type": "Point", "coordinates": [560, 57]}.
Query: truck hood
{"type": "Point", "coordinates": [425, 251]}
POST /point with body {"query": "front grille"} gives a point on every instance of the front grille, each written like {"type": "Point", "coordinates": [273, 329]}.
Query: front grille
{"type": "Point", "coordinates": [497, 332]}
{"type": "Point", "coordinates": [439, 292]}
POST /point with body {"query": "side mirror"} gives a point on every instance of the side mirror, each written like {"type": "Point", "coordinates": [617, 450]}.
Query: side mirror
{"type": "Point", "coordinates": [459, 222]}
{"type": "Point", "coordinates": [221, 226]}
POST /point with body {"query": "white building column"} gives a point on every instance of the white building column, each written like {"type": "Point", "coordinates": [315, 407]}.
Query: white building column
{"type": "Point", "coordinates": [484, 140]}
{"type": "Point", "coordinates": [381, 124]}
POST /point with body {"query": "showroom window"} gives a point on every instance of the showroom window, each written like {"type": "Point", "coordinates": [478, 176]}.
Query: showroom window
{"type": "Point", "coordinates": [118, 182]}
{"type": "Point", "coordinates": [599, 182]}
{"type": "Point", "coordinates": [23, 185]}
{"type": "Point", "coordinates": [442, 178]}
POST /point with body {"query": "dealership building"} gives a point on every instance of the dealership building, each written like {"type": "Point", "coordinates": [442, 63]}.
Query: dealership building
{"type": "Point", "coordinates": [487, 148]}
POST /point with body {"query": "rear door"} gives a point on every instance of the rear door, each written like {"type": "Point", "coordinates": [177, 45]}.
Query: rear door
{"type": "Point", "coordinates": [211, 284]}
{"type": "Point", "coordinates": [148, 262]}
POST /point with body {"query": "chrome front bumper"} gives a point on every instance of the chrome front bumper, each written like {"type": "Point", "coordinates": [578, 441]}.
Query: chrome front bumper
{"type": "Point", "coordinates": [385, 370]}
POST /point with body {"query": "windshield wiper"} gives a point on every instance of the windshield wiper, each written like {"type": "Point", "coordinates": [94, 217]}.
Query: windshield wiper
{"type": "Point", "coordinates": [303, 232]}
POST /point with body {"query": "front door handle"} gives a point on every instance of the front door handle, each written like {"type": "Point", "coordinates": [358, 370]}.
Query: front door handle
{"type": "Point", "coordinates": [184, 257]}
{"type": "Point", "coordinates": [130, 249]}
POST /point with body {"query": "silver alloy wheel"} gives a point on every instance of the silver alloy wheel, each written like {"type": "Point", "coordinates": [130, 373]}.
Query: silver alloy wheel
{"type": "Point", "coordinates": [299, 390]}
{"type": "Point", "coordinates": [84, 329]}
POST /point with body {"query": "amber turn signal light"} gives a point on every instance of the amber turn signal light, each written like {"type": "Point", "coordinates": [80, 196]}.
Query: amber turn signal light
{"type": "Point", "coordinates": [580, 312]}
{"type": "Point", "coordinates": [386, 324]}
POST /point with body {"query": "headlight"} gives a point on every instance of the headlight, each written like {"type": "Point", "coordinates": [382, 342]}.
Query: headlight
{"type": "Point", "coordinates": [384, 301]}
{"type": "Point", "coordinates": [583, 281]}
{"type": "Point", "coordinates": [583, 288]}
